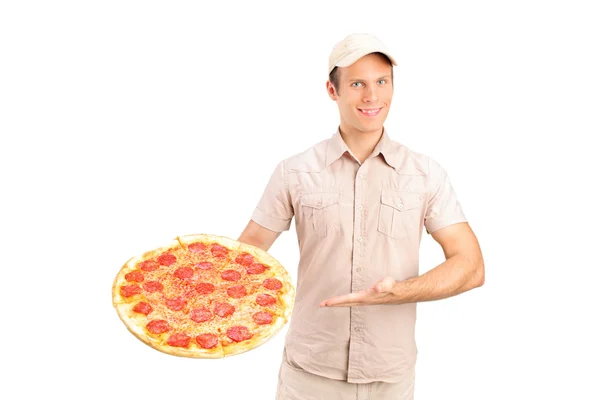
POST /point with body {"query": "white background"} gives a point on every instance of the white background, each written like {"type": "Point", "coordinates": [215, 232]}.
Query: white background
{"type": "Point", "coordinates": [124, 124]}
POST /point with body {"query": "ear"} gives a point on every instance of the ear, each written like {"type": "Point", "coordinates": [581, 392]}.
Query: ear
{"type": "Point", "coordinates": [331, 91]}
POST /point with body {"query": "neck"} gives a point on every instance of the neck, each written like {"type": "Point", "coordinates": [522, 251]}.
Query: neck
{"type": "Point", "coordinates": [361, 144]}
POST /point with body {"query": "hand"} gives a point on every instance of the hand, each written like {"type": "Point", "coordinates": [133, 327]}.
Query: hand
{"type": "Point", "coordinates": [379, 293]}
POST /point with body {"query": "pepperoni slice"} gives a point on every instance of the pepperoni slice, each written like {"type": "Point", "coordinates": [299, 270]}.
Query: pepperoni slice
{"type": "Point", "coordinates": [262, 318]}
{"type": "Point", "coordinates": [244, 259]}
{"type": "Point", "coordinates": [148, 265]}
{"type": "Point", "coordinates": [219, 251]}
{"type": "Point", "coordinates": [265, 299]}
{"type": "Point", "coordinates": [130, 290]}
{"type": "Point", "coordinates": [166, 259]}
{"type": "Point", "coordinates": [184, 273]}
{"type": "Point", "coordinates": [179, 339]}
{"type": "Point", "coordinates": [188, 291]}
{"type": "Point", "coordinates": [134, 276]}
{"type": "Point", "coordinates": [238, 333]}
{"type": "Point", "coordinates": [237, 291]}
{"type": "Point", "coordinates": [206, 265]}
{"type": "Point", "coordinates": [201, 314]}
{"type": "Point", "coordinates": [224, 309]}
{"type": "Point", "coordinates": [256, 268]}
{"type": "Point", "coordinates": [158, 326]}
{"type": "Point", "coordinates": [153, 286]}
{"type": "Point", "coordinates": [205, 288]}
{"type": "Point", "coordinates": [196, 247]}
{"type": "Point", "coordinates": [143, 308]}
{"type": "Point", "coordinates": [272, 284]}
{"type": "Point", "coordinates": [176, 303]}
{"type": "Point", "coordinates": [231, 275]}
{"type": "Point", "coordinates": [207, 340]}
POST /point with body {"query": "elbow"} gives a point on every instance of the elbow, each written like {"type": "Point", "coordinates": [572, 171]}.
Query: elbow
{"type": "Point", "coordinates": [479, 275]}
{"type": "Point", "coordinates": [476, 273]}
{"type": "Point", "coordinates": [480, 280]}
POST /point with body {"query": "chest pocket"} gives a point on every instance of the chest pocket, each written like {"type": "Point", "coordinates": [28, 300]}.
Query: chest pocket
{"type": "Point", "coordinates": [399, 214]}
{"type": "Point", "coordinates": [321, 213]}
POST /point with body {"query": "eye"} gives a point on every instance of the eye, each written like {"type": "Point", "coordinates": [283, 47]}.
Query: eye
{"type": "Point", "coordinates": [381, 81]}
{"type": "Point", "coordinates": [355, 84]}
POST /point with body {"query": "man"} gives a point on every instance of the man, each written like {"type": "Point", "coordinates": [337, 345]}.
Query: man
{"type": "Point", "coordinates": [361, 201]}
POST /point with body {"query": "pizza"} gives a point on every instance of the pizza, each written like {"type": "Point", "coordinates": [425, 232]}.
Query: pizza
{"type": "Point", "coordinates": [204, 296]}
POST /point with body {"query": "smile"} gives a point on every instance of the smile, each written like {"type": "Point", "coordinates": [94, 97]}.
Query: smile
{"type": "Point", "coordinates": [370, 112]}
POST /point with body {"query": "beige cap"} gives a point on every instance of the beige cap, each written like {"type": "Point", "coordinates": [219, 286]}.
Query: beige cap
{"type": "Point", "coordinates": [355, 46]}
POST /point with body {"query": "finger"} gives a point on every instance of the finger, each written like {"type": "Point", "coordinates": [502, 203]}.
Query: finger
{"type": "Point", "coordinates": [347, 305]}
{"type": "Point", "coordinates": [348, 298]}
{"type": "Point", "coordinates": [335, 301]}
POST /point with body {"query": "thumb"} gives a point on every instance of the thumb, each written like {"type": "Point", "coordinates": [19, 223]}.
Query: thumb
{"type": "Point", "coordinates": [385, 285]}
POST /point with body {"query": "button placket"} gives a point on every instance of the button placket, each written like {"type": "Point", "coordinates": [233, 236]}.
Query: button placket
{"type": "Point", "coordinates": [357, 343]}
{"type": "Point", "coordinates": [357, 318]}
{"type": "Point", "coordinates": [357, 279]}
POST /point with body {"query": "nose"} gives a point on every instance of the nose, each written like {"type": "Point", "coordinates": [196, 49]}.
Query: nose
{"type": "Point", "coordinates": [370, 94]}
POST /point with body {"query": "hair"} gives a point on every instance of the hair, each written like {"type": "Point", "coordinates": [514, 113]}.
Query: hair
{"type": "Point", "coordinates": [334, 78]}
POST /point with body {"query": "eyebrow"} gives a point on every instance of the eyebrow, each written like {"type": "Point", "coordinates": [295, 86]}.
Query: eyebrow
{"type": "Point", "coordinates": [381, 77]}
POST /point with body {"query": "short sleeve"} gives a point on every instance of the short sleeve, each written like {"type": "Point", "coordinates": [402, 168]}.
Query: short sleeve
{"type": "Point", "coordinates": [443, 207]}
{"type": "Point", "coordinates": [274, 210]}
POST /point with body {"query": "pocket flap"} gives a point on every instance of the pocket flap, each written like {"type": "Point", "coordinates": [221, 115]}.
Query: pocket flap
{"type": "Point", "coordinates": [401, 201]}
{"type": "Point", "coordinates": [319, 200]}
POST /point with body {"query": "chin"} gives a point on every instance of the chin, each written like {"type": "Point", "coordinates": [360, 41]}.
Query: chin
{"type": "Point", "coordinates": [371, 128]}
{"type": "Point", "coordinates": [372, 125]}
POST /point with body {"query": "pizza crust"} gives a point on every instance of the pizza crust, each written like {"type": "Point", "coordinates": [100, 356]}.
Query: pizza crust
{"type": "Point", "coordinates": [135, 322]}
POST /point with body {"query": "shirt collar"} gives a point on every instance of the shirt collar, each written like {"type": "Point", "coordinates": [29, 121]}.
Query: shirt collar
{"type": "Point", "coordinates": [385, 148]}
{"type": "Point", "coordinates": [336, 147]}
{"type": "Point", "coordinates": [394, 154]}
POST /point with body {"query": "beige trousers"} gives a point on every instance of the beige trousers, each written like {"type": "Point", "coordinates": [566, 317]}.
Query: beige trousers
{"type": "Point", "coordinates": [297, 384]}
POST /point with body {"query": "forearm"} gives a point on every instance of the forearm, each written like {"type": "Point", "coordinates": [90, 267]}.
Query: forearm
{"type": "Point", "coordinates": [456, 275]}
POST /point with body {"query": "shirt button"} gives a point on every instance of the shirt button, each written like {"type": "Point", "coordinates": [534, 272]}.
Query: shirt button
{"type": "Point", "coordinates": [360, 207]}
{"type": "Point", "coordinates": [400, 206]}
{"type": "Point", "coordinates": [360, 176]}
{"type": "Point", "coordinates": [358, 269]}
{"type": "Point", "coordinates": [356, 329]}
{"type": "Point", "coordinates": [360, 239]}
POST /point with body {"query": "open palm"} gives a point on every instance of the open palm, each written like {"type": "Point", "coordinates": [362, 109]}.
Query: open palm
{"type": "Point", "coordinates": [380, 293]}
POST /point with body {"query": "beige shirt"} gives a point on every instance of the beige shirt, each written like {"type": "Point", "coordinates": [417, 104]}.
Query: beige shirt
{"type": "Point", "coordinates": [356, 224]}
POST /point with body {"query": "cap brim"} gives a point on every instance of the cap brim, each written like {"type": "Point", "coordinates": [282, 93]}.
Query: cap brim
{"type": "Point", "coordinates": [353, 57]}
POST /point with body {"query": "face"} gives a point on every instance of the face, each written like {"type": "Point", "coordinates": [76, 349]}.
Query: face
{"type": "Point", "coordinates": [365, 94]}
